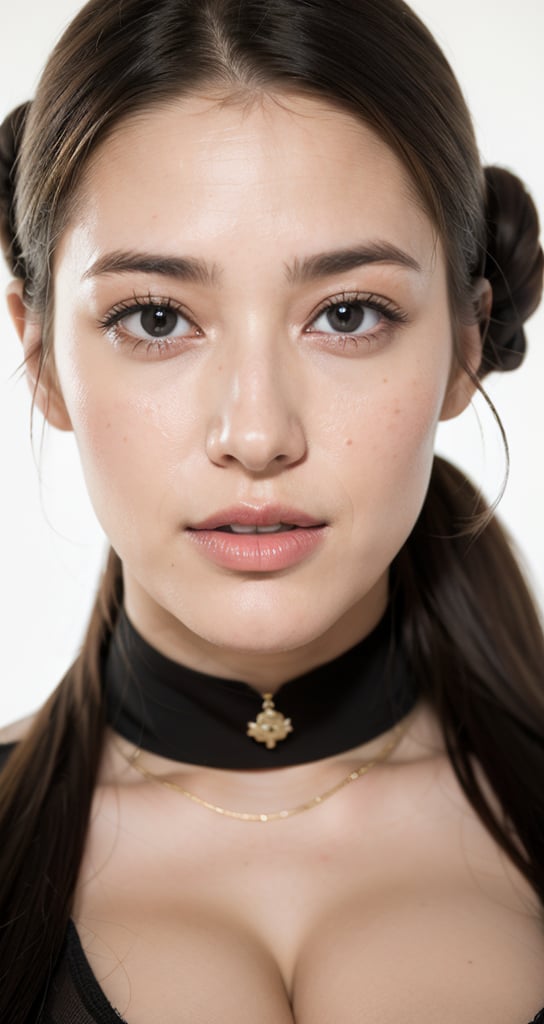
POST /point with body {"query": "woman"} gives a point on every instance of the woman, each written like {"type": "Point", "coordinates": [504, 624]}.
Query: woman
{"type": "Point", "coordinates": [256, 261]}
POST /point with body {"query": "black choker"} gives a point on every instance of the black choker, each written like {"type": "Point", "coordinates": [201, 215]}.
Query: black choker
{"type": "Point", "coordinates": [168, 709]}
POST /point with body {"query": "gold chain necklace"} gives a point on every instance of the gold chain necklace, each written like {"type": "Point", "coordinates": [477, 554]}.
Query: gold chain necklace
{"type": "Point", "coordinates": [358, 773]}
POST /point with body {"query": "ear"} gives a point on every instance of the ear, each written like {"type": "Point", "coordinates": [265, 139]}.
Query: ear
{"type": "Point", "coordinates": [41, 376]}
{"type": "Point", "coordinates": [468, 355]}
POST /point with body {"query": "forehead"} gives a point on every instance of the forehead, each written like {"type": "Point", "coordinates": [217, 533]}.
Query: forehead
{"type": "Point", "coordinates": [288, 172]}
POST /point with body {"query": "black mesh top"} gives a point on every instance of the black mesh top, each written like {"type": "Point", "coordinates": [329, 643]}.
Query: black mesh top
{"type": "Point", "coordinates": [74, 995]}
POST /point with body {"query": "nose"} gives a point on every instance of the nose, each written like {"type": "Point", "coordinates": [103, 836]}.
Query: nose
{"type": "Point", "coordinates": [256, 422]}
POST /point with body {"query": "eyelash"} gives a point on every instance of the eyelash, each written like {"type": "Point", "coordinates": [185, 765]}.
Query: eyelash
{"type": "Point", "coordinates": [392, 314]}
{"type": "Point", "coordinates": [111, 323]}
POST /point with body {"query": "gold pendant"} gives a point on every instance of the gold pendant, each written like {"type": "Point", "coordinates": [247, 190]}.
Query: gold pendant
{"type": "Point", "coordinates": [271, 726]}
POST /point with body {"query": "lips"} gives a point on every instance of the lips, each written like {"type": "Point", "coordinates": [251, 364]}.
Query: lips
{"type": "Point", "coordinates": [257, 519]}
{"type": "Point", "coordinates": [263, 539]}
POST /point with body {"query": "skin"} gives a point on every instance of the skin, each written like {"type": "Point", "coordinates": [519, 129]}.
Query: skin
{"type": "Point", "coordinates": [260, 402]}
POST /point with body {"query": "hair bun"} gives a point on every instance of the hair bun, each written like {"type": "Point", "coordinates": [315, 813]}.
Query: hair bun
{"type": "Point", "coordinates": [514, 267]}
{"type": "Point", "coordinates": [11, 131]}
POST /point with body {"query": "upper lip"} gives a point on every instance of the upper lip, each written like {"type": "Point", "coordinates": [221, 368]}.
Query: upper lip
{"type": "Point", "coordinates": [257, 515]}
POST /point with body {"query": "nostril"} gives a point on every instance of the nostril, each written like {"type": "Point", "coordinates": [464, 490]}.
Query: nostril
{"type": "Point", "coordinates": [258, 437]}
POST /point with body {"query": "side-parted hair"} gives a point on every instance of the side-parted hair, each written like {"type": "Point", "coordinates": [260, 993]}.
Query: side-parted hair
{"type": "Point", "coordinates": [470, 628]}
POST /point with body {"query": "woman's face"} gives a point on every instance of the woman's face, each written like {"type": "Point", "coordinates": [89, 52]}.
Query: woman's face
{"type": "Point", "coordinates": [252, 329]}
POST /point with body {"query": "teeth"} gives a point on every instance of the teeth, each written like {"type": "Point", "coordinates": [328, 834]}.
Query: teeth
{"type": "Point", "coordinates": [275, 528]}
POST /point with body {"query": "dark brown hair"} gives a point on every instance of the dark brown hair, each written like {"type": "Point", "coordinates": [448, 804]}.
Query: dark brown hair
{"type": "Point", "coordinates": [477, 647]}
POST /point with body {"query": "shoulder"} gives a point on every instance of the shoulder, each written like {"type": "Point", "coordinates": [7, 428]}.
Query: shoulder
{"type": "Point", "coordinates": [10, 734]}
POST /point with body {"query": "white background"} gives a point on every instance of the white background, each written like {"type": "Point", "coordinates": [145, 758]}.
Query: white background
{"type": "Point", "coordinates": [50, 545]}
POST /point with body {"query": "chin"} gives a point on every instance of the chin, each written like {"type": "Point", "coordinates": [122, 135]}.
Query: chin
{"type": "Point", "coordinates": [259, 635]}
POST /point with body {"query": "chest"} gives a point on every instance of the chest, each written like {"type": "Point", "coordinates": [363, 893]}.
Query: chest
{"type": "Point", "coordinates": [389, 905]}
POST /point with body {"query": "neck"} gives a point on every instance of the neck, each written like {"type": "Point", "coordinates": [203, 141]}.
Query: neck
{"type": "Point", "coordinates": [170, 709]}
{"type": "Point", "coordinates": [265, 667]}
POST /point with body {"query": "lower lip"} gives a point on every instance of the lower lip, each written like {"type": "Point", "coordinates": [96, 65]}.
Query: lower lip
{"type": "Point", "coordinates": [258, 552]}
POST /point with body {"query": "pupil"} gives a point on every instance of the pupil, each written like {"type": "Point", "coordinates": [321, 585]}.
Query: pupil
{"type": "Point", "coordinates": [346, 316]}
{"type": "Point", "coordinates": [159, 321]}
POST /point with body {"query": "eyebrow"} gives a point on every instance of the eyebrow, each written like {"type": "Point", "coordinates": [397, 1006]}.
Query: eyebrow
{"type": "Point", "coordinates": [189, 268]}
{"type": "Point", "coordinates": [183, 268]}
{"type": "Point", "coordinates": [340, 260]}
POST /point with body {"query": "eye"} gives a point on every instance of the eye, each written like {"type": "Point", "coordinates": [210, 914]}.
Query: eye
{"type": "Point", "coordinates": [353, 323]}
{"type": "Point", "coordinates": [348, 318]}
{"type": "Point", "coordinates": [150, 326]}
{"type": "Point", "coordinates": [154, 321]}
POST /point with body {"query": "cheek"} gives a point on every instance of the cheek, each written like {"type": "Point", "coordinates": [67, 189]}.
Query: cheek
{"type": "Point", "coordinates": [409, 425]}
{"type": "Point", "coordinates": [395, 423]}
{"type": "Point", "coordinates": [125, 438]}
{"type": "Point", "coordinates": [385, 451]}
{"type": "Point", "coordinates": [112, 442]}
